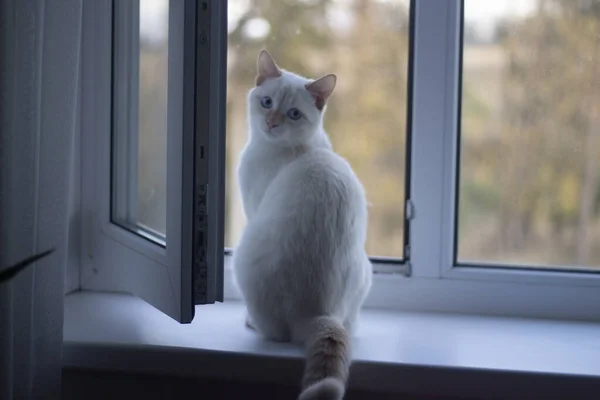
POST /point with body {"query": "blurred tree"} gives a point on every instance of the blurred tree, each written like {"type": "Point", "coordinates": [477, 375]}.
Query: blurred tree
{"type": "Point", "coordinates": [545, 158]}
{"type": "Point", "coordinates": [368, 124]}
{"type": "Point", "coordinates": [152, 161]}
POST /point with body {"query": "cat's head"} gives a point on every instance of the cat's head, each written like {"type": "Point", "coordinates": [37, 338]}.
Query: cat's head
{"type": "Point", "coordinates": [286, 108]}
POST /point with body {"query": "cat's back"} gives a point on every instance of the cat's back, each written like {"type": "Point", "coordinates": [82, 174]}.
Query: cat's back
{"type": "Point", "coordinates": [317, 184]}
{"type": "Point", "coordinates": [260, 164]}
{"type": "Point", "coordinates": [306, 242]}
{"type": "Point", "coordinates": [322, 168]}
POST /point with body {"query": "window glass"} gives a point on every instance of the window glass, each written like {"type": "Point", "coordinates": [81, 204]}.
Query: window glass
{"type": "Point", "coordinates": [140, 116]}
{"type": "Point", "coordinates": [530, 134]}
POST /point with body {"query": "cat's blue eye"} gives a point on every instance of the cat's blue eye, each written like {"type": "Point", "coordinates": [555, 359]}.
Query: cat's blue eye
{"type": "Point", "coordinates": [266, 102]}
{"type": "Point", "coordinates": [294, 113]}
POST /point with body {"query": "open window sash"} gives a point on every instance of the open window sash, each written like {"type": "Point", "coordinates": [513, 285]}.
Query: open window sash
{"type": "Point", "coordinates": [184, 267]}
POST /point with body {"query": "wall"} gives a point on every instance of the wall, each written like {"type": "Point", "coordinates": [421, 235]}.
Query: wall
{"type": "Point", "coordinates": [92, 385]}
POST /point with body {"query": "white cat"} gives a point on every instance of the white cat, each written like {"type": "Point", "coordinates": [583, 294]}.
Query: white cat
{"type": "Point", "coordinates": [301, 263]}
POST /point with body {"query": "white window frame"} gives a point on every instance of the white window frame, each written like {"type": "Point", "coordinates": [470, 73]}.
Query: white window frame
{"type": "Point", "coordinates": [429, 280]}
{"type": "Point", "coordinates": [477, 288]}
{"type": "Point", "coordinates": [448, 163]}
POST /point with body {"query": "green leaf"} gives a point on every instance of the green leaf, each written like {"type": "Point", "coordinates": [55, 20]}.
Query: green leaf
{"type": "Point", "coordinates": [10, 272]}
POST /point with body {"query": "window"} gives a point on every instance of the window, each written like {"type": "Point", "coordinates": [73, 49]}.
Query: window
{"type": "Point", "coordinates": [449, 103]}
{"type": "Point", "coordinates": [529, 192]}
{"type": "Point", "coordinates": [472, 127]}
{"type": "Point", "coordinates": [366, 44]}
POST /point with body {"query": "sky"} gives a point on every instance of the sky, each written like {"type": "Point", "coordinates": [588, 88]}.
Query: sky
{"type": "Point", "coordinates": [154, 19]}
{"type": "Point", "coordinates": [480, 14]}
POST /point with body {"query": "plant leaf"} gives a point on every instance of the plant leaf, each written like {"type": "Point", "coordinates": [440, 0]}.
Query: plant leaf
{"type": "Point", "coordinates": [12, 271]}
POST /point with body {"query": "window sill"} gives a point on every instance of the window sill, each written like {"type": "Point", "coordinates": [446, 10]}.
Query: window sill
{"type": "Point", "coordinates": [419, 353]}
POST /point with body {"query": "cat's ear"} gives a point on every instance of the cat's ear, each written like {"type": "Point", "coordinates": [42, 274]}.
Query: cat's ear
{"type": "Point", "coordinates": [266, 68]}
{"type": "Point", "coordinates": [321, 89]}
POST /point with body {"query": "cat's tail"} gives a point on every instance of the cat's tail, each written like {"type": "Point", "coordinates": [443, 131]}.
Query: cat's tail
{"type": "Point", "coordinates": [327, 360]}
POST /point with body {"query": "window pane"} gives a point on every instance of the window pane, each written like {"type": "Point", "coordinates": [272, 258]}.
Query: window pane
{"type": "Point", "coordinates": [530, 133]}
{"type": "Point", "coordinates": [140, 116]}
{"type": "Point", "coordinates": [366, 44]}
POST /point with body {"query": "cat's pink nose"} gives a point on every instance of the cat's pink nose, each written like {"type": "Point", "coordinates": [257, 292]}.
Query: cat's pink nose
{"type": "Point", "coordinates": [273, 119]}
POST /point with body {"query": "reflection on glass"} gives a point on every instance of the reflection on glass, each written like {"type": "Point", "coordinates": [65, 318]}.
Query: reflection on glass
{"type": "Point", "coordinates": [530, 134]}
{"type": "Point", "coordinates": [152, 161]}
{"type": "Point", "coordinates": [366, 44]}
{"type": "Point", "coordinates": [139, 121]}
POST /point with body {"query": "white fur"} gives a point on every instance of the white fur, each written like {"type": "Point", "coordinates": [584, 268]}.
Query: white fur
{"type": "Point", "coordinates": [302, 252]}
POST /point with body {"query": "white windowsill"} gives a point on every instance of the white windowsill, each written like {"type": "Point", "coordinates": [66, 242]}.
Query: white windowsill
{"type": "Point", "coordinates": [420, 353]}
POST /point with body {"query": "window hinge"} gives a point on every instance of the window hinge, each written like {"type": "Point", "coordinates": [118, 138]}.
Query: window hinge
{"type": "Point", "coordinates": [410, 210]}
{"type": "Point", "coordinates": [407, 251]}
